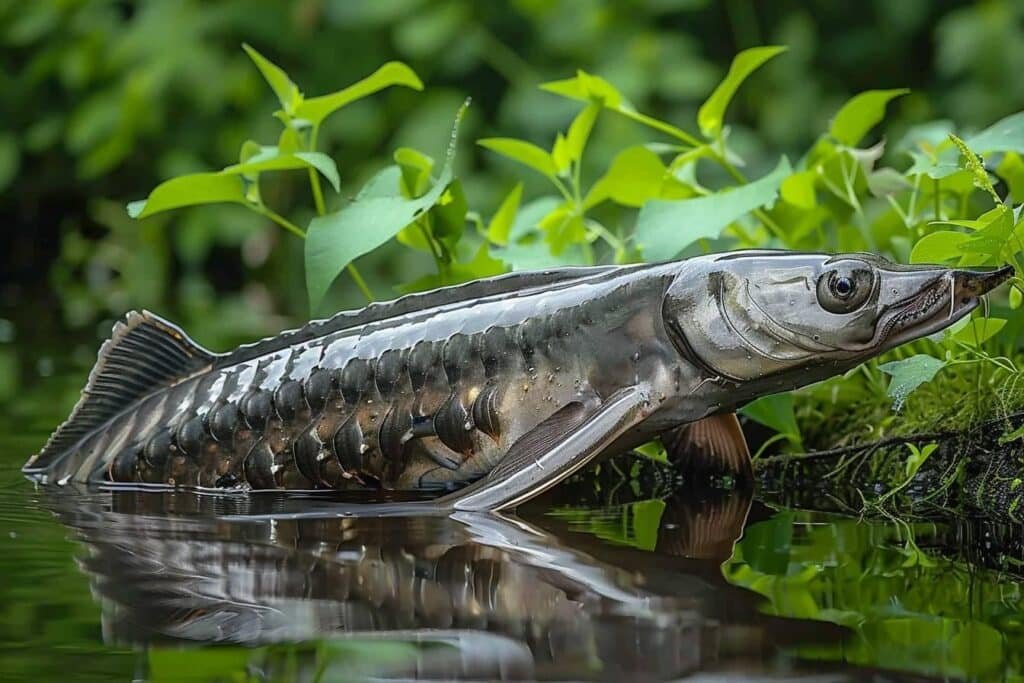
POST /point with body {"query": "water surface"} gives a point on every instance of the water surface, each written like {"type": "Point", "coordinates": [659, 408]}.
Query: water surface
{"type": "Point", "coordinates": [620, 576]}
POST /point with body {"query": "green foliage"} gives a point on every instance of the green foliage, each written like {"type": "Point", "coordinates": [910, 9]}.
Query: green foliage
{"type": "Point", "coordinates": [910, 609]}
{"type": "Point", "coordinates": [666, 200]}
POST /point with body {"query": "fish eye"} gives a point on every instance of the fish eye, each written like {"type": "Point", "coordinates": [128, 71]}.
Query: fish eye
{"type": "Point", "coordinates": [844, 289]}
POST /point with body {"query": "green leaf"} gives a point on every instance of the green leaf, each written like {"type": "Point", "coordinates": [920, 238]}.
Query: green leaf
{"type": "Point", "coordinates": [860, 114]}
{"type": "Point", "coordinates": [562, 227]}
{"type": "Point", "coordinates": [579, 131]}
{"type": "Point", "coordinates": [287, 92]}
{"type": "Point", "coordinates": [588, 88]}
{"type": "Point", "coordinates": [1011, 169]}
{"type": "Point", "coordinates": [524, 152]}
{"type": "Point", "coordinates": [335, 240]}
{"type": "Point", "coordinates": [775, 412]}
{"type": "Point", "coordinates": [979, 331]}
{"type": "Point", "coordinates": [798, 189]}
{"type": "Point", "coordinates": [665, 228]}
{"type": "Point", "coordinates": [316, 109]}
{"type": "Point", "coordinates": [270, 159]}
{"type": "Point", "coordinates": [941, 165]}
{"type": "Point", "coordinates": [887, 181]}
{"type": "Point", "coordinates": [908, 374]}
{"type": "Point", "coordinates": [416, 169]}
{"type": "Point", "coordinates": [501, 223]}
{"type": "Point", "coordinates": [1006, 135]}
{"type": "Point", "coordinates": [712, 112]}
{"type": "Point", "coordinates": [190, 190]}
{"type": "Point", "coordinates": [482, 265]}
{"type": "Point", "coordinates": [636, 175]}
{"type": "Point", "coordinates": [938, 247]}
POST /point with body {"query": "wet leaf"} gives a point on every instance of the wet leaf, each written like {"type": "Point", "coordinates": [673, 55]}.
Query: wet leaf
{"type": "Point", "coordinates": [860, 114]}
{"type": "Point", "coordinates": [712, 112]}
{"type": "Point", "coordinates": [335, 240]}
{"type": "Point", "coordinates": [908, 374]}
{"type": "Point", "coordinates": [316, 109]}
{"type": "Point", "coordinates": [665, 228]}
{"type": "Point", "coordinates": [190, 190]}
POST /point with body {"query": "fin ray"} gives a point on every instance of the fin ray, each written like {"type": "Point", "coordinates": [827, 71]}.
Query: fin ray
{"type": "Point", "coordinates": [145, 353]}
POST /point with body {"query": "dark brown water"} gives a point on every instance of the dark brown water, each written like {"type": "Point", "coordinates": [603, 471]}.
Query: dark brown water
{"type": "Point", "coordinates": [616, 577]}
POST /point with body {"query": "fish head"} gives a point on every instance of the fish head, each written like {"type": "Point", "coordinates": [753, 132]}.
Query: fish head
{"type": "Point", "coordinates": [777, 320]}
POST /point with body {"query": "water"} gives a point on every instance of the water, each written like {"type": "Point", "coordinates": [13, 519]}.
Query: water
{"type": "Point", "coordinates": [599, 580]}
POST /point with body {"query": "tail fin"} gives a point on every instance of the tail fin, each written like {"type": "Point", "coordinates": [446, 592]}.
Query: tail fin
{"type": "Point", "coordinates": [145, 353]}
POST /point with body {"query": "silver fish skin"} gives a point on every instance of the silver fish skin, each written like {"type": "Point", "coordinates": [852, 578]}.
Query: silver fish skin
{"type": "Point", "coordinates": [498, 389]}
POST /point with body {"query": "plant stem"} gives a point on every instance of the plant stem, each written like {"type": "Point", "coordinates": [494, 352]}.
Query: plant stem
{"type": "Point", "coordinates": [360, 282]}
{"type": "Point", "coordinates": [740, 178]}
{"type": "Point", "coordinates": [280, 220]}
{"type": "Point", "coordinates": [321, 210]}
{"type": "Point", "coordinates": [938, 203]}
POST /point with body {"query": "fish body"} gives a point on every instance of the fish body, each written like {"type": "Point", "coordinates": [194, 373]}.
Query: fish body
{"type": "Point", "coordinates": [503, 386]}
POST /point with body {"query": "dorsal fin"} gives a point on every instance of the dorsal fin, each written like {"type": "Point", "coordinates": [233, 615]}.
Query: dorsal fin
{"type": "Point", "coordinates": [344, 320]}
{"type": "Point", "coordinates": [145, 353]}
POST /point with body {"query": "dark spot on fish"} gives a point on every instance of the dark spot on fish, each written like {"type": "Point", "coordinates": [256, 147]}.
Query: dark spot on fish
{"type": "Point", "coordinates": [157, 448]}
{"type": "Point", "coordinates": [485, 411]}
{"type": "Point", "coordinates": [355, 380]}
{"type": "Point", "coordinates": [390, 367]}
{"type": "Point", "coordinates": [421, 364]}
{"type": "Point", "coordinates": [395, 431]}
{"type": "Point", "coordinates": [257, 407]}
{"type": "Point", "coordinates": [347, 445]}
{"type": "Point", "coordinates": [288, 399]}
{"type": "Point", "coordinates": [190, 437]}
{"type": "Point", "coordinates": [125, 463]}
{"type": "Point", "coordinates": [457, 352]}
{"type": "Point", "coordinates": [305, 451]}
{"type": "Point", "coordinates": [223, 422]}
{"type": "Point", "coordinates": [453, 425]}
{"type": "Point", "coordinates": [318, 388]}
{"type": "Point", "coordinates": [258, 467]}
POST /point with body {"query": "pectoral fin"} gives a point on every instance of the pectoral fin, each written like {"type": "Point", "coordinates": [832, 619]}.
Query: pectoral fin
{"type": "Point", "coordinates": [713, 445]}
{"type": "Point", "coordinates": [554, 449]}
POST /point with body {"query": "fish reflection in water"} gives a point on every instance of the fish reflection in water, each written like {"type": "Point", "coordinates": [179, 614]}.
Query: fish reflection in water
{"type": "Point", "coordinates": [510, 598]}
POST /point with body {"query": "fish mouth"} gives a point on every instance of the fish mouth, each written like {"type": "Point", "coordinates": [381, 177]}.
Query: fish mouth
{"type": "Point", "coordinates": [939, 304]}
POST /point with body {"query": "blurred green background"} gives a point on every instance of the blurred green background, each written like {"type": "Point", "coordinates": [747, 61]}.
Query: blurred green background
{"type": "Point", "coordinates": [101, 100]}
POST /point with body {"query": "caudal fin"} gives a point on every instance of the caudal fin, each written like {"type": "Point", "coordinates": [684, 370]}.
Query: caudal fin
{"type": "Point", "coordinates": [145, 353]}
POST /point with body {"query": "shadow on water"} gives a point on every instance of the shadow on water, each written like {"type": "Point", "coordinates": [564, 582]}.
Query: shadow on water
{"type": "Point", "coordinates": [474, 596]}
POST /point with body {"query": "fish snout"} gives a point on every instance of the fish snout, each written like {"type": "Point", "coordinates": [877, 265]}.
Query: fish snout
{"type": "Point", "coordinates": [977, 281]}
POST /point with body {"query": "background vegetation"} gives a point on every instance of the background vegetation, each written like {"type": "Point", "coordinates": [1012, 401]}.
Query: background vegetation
{"type": "Point", "coordinates": [643, 145]}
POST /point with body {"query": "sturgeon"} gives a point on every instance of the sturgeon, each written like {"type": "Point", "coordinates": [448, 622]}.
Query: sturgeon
{"type": "Point", "coordinates": [484, 395]}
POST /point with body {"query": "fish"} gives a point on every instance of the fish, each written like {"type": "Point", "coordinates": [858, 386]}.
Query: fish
{"type": "Point", "coordinates": [482, 396]}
